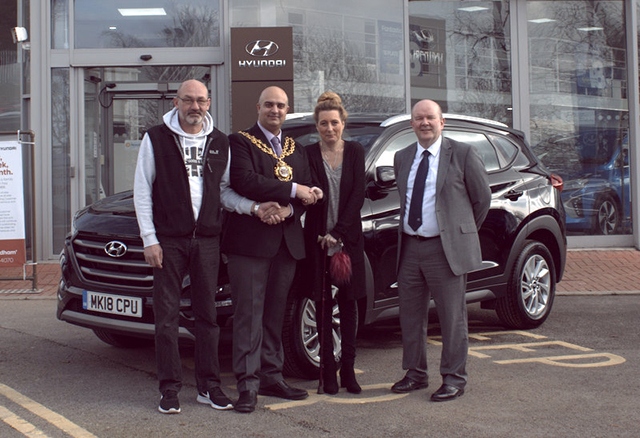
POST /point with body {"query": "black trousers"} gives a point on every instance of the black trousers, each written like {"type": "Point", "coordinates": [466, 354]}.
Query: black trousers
{"type": "Point", "coordinates": [348, 309]}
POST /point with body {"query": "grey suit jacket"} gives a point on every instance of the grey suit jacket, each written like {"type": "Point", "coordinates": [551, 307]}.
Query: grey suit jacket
{"type": "Point", "coordinates": [463, 198]}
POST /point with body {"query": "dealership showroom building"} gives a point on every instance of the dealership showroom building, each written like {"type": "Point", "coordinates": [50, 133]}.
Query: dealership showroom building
{"type": "Point", "coordinates": [89, 77]}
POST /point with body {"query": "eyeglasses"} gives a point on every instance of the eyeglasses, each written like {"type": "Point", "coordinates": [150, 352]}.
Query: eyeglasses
{"type": "Point", "coordinates": [189, 101]}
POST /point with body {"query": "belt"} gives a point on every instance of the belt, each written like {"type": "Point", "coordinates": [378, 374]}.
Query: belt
{"type": "Point", "coordinates": [420, 238]}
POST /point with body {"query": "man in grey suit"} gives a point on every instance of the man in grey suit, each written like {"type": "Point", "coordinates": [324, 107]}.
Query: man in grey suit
{"type": "Point", "coordinates": [444, 198]}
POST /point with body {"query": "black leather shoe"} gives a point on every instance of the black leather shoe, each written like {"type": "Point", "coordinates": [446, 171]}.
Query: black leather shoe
{"type": "Point", "coordinates": [247, 402]}
{"type": "Point", "coordinates": [446, 393]}
{"type": "Point", "coordinates": [283, 390]}
{"type": "Point", "coordinates": [407, 385]}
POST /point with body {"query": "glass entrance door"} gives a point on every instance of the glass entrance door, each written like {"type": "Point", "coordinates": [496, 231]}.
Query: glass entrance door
{"type": "Point", "coordinates": [121, 104]}
{"type": "Point", "coordinates": [125, 124]}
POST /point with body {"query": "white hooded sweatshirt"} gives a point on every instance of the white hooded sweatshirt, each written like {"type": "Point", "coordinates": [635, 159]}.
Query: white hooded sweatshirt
{"type": "Point", "coordinates": [192, 147]}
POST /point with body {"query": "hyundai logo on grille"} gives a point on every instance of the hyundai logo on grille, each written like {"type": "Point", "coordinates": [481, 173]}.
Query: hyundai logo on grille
{"type": "Point", "coordinates": [261, 48]}
{"type": "Point", "coordinates": [115, 248]}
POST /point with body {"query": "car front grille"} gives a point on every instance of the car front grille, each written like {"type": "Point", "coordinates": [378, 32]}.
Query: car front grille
{"type": "Point", "coordinates": [126, 271]}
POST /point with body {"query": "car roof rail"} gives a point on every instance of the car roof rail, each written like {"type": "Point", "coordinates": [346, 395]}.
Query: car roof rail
{"type": "Point", "coordinates": [395, 119]}
{"type": "Point", "coordinates": [474, 119]}
{"type": "Point", "coordinates": [404, 117]}
{"type": "Point", "coordinates": [292, 116]}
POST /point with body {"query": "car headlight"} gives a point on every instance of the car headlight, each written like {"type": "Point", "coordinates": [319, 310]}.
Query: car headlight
{"type": "Point", "coordinates": [573, 207]}
{"type": "Point", "coordinates": [74, 226]}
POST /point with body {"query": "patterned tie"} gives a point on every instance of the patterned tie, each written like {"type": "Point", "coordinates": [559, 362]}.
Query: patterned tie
{"type": "Point", "coordinates": [415, 210]}
{"type": "Point", "coordinates": [276, 145]}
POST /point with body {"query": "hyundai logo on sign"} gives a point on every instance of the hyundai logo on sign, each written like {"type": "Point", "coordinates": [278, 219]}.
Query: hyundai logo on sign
{"type": "Point", "coordinates": [115, 248]}
{"type": "Point", "coordinates": [261, 48]}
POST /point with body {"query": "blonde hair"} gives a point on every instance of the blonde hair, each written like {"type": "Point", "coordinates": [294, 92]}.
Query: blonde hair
{"type": "Point", "coordinates": [330, 101]}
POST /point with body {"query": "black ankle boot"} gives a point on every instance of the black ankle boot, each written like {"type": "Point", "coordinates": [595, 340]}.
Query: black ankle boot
{"type": "Point", "coordinates": [329, 379]}
{"type": "Point", "coordinates": [348, 379]}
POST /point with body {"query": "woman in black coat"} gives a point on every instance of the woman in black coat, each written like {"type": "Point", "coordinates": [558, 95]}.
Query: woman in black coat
{"type": "Point", "coordinates": [337, 167]}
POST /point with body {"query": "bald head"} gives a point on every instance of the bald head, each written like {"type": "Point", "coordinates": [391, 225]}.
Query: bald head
{"type": "Point", "coordinates": [272, 108]}
{"type": "Point", "coordinates": [192, 102]}
{"type": "Point", "coordinates": [192, 84]}
{"type": "Point", "coordinates": [427, 122]}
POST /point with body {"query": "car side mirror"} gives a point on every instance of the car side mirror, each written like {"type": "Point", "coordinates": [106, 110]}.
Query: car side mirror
{"type": "Point", "coordinates": [385, 176]}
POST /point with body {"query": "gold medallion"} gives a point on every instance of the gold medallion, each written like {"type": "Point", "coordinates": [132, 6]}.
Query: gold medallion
{"type": "Point", "coordinates": [282, 170]}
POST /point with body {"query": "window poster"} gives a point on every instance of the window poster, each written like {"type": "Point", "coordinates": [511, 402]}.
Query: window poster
{"type": "Point", "coordinates": [12, 223]}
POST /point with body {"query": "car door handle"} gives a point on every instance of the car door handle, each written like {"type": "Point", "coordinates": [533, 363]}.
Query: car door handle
{"type": "Point", "coordinates": [513, 195]}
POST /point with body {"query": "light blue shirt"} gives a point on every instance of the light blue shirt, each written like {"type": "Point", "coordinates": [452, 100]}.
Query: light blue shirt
{"type": "Point", "coordinates": [429, 227]}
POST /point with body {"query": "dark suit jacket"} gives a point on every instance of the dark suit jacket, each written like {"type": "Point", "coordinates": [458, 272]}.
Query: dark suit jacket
{"type": "Point", "coordinates": [348, 227]}
{"type": "Point", "coordinates": [463, 198]}
{"type": "Point", "coordinates": [252, 176]}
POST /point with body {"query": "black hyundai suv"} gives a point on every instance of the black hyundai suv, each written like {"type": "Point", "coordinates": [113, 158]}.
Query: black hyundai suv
{"type": "Point", "coordinates": [107, 286]}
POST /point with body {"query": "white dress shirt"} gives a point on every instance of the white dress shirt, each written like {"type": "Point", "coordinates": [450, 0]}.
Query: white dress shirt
{"type": "Point", "coordinates": [429, 227]}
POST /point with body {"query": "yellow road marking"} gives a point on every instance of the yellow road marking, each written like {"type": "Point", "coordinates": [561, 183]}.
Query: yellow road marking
{"type": "Point", "coordinates": [19, 424]}
{"type": "Point", "coordinates": [529, 347]}
{"type": "Point", "coordinates": [316, 398]}
{"type": "Point", "coordinates": [564, 361]}
{"type": "Point", "coordinates": [574, 361]}
{"type": "Point", "coordinates": [46, 414]}
{"type": "Point", "coordinates": [487, 336]}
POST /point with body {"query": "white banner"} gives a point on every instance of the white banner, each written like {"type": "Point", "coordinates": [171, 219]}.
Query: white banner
{"type": "Point", "coordinates": [12, 226]}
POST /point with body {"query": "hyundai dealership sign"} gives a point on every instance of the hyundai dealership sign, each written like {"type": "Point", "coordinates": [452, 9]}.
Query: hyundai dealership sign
{"type": "Point", "coordinates": [260, 57]}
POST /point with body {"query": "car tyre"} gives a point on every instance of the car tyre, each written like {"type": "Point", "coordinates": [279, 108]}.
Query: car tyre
{"type": "Point", "coordinates": [300, 338]}
{"type": "Point", "coordinates": [607, 217]}
{"type": "Point", "coordinates": [122, 341]}
{"type": "Point", "coordinates": [531, 288]}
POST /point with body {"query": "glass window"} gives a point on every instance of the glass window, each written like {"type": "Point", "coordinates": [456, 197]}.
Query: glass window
{"type": "Point", "coordinates": [396, 144]}
{"type": "Point", "coordinates": [579, 108]}
{"type": "Point", "coordinates": [482, 145]}
{"type": "Point", "coordinates": [340, 47]}
{"type": "Point", "coordinates": [60, 156]}
{"type": "Point", "coordinates": [60, 24]}
{"type": "Point", "coordinates": [162, 23]}
{"type": "Point", "coordinates": [10, 76]}
{"type": "Point", "coordinates": [364, 134]}
{"type": "Point", "coordinates": [460, 56]}
{"type": "Point", "coordinates": [507, 149]}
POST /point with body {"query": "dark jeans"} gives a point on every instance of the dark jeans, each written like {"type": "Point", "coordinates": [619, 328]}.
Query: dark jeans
{"type": "Point", "coordinates": [200, 258]}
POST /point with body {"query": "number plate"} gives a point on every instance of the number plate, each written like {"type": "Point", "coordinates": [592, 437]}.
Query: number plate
{"type": "Point", "coordinates": [114, 304]}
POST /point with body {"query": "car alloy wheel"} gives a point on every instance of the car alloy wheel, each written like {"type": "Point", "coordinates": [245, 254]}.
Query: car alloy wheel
{"type": "Point", "coordinates": [607, 218]}
{"type": "Point", "coordinates": [531, 289]}
{"type": "Point", "coordinates": [300, 337]}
